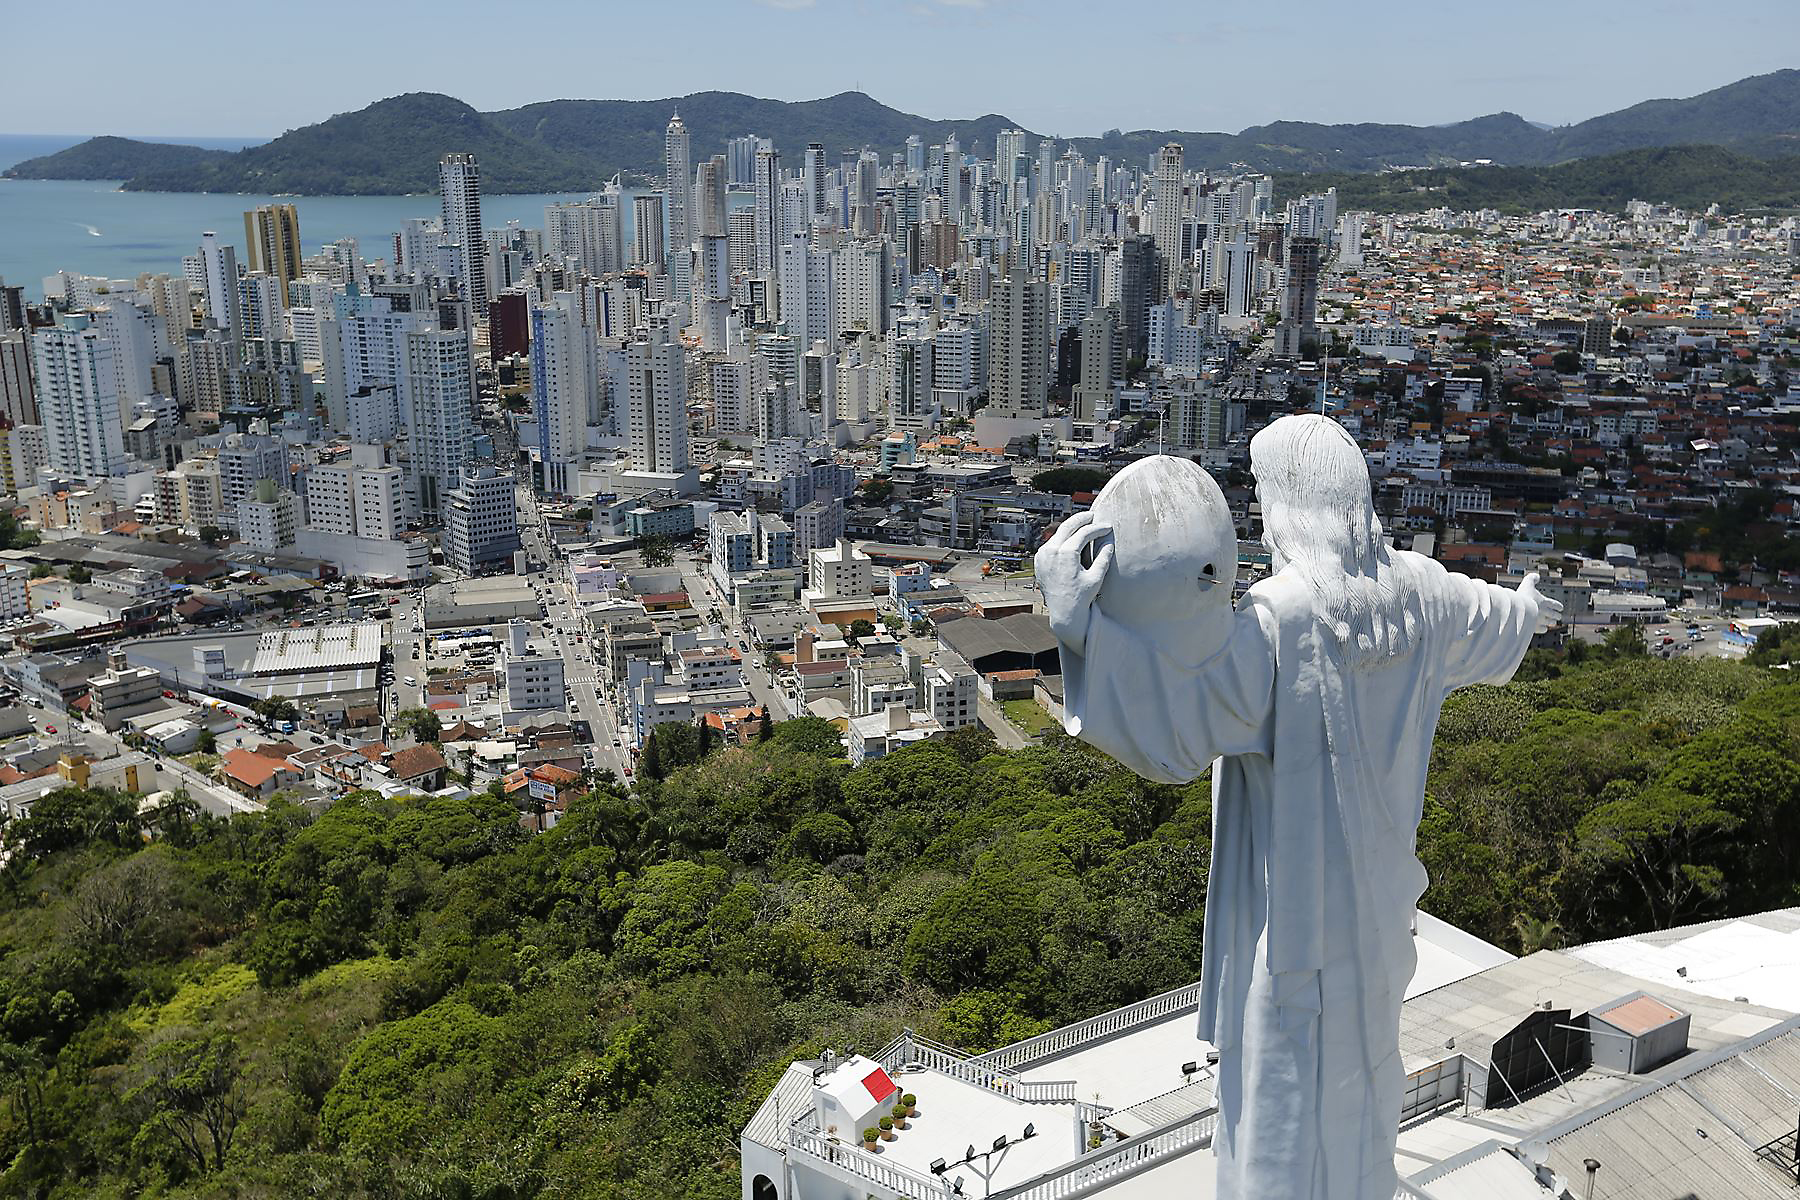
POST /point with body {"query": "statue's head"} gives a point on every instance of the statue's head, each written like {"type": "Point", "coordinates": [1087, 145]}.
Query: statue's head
{"type": "Point", "coordinates": [1174, 552]}
{"type": "Point", "coordinates": [1312, 483]}
{"type": "Point", "coordinates": [1318, 516]}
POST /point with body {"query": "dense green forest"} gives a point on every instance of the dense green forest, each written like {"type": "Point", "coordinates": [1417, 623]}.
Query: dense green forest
{"type": "Point", "coordinates": [1686, 176]}
{"type": "Point", "coordinates": [420, 1000]}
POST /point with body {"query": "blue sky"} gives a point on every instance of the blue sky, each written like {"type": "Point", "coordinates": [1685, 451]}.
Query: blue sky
{"type": "Point", "coordinates": [1065, 67]}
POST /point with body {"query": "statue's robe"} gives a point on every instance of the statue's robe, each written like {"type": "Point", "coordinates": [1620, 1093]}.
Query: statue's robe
{"type": "Point", "coordinates": [1318, 787]}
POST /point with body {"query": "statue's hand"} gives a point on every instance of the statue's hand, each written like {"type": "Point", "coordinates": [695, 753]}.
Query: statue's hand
{"type": "Point", "coordinates": [1549, 612]}
{"type": "Point", "coordinates": [1068, 586]}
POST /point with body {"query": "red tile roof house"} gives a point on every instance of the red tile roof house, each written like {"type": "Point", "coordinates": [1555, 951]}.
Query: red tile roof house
{"type": "Point", "coordinates": [255, 775]}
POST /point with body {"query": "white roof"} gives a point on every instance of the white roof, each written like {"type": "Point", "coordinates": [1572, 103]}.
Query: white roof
{"type": "Point", "coordinates": [1491, 1174]}
{"type": "Point", "coordinates": [325, 648]}
{"type": "Point", "coordinates": [1725, 960]}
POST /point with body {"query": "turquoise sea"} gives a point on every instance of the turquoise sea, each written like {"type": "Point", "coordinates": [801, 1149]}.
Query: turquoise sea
{"type": "Point", "coordinates": [92, 228]}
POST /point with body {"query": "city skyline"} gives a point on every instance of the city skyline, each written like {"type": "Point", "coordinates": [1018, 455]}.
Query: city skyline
{"type": "Point", "coordinates": [1190, 73]}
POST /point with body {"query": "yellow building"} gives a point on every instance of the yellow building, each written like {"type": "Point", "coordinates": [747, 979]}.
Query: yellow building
{"type": "Point", "coordinates": [272, 234]}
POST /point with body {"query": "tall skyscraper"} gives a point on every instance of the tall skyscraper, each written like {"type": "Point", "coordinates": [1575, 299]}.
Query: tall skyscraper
{"type": "Point", "coordinates": [1018, 374]}
{"type": "Point", "coordinates": [713, 301]}
{"type": "Point", "coordinates": [218, 265]}
{"type": "Point", "coordinates": [771, 231]}
{"type": "Point", "coordinates": [1138, 277]}
{"type": "Point", "coordinates": [807, 298]}
{"type": "Point", "coordinates": [563, 372]}
{"type": "Point", "coordinates": [272, 240]}
{"type": "Point", "coordinates": [590, 232]}
{"type": "Point", "coordinates": [459, 182]}
{"type": "Point", "coordinates": [440, 396]}
{"type": "Point", "coordinates": [812, 177]}
{"type": "Point", "coordinates": [1167, 220]}
{"type": "Point", "coordinates": [649, 247]}
{"type": "Point", "coordinates": [915, 154]}
{"type": "Point", "coordinates": [1099, 348]}
{"type": "Point", "coordinates": [1237, 264]}
{"type": "Point", "coordinates": [656, 396]}
{"type": "Point", "coordinates": [1009, 147]}
{"type": "Point", "coordinates": [678, 186]}
{"type": "Point", "coordinates": [18, 396]}
{"type": "Point", "coordinates": [740, 159]}
{"type": "Point", "coordinates": [950, 186]}
{"type": "Point", "coordinates": [78, 398]}
{"type": "Point", "coordinates": [1299, 296]}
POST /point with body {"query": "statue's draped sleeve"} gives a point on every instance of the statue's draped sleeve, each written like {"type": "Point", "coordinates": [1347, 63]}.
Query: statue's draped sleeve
{"type": "Point", "coordinates": [1164, 719]}
{"type": "Point", "coordinates": [1486, 629]}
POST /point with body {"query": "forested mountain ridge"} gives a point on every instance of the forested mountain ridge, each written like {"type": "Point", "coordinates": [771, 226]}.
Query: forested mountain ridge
{"type": "Point", "coordinates": [1690, 177]}
{"type": "Point", "coordinates": [393, 145]}
{"type": "Point", "coordinates": [420, 999]}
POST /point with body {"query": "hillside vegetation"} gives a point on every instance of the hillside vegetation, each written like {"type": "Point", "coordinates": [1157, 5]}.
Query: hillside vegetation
{"type": "Point", "coordinates": [393, 145]}
{"type": "Point", "coordinates": [420, 1000]}
{"type": "Point", "coordinates": [1688, 176]}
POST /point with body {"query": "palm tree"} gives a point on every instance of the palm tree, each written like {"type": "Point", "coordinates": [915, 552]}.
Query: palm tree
{"type": "Point", "coordinates": [1535, 934]}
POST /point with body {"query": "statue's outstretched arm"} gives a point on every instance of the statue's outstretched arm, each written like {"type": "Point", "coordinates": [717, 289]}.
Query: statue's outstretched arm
{"type": "Point", "coordinates": [1070, 586]}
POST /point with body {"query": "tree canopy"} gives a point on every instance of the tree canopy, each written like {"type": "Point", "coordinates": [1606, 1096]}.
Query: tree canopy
{"type": "Point", "coordinates": [420, 997]}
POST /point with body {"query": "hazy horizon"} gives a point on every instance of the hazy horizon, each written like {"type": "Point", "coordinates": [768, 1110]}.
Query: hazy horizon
{"type": "Point", "coordinates": [1413, 63]}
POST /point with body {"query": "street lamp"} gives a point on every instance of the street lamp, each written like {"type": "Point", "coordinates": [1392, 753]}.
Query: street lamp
{"type": "Point", "coordinates": [1001, 1145]}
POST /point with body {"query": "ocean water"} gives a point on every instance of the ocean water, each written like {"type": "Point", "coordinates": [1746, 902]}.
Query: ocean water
{"type": "Point", "coordinates": [90, 227]}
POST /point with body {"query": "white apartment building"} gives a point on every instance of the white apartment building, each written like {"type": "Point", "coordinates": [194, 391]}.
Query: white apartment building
{"type": "Point", "coordinates": [357, 500]}
{"type": "Point", "coordinates": [15, 597]}
{"type": "Point", "coordinates": [532, 669]}
{"type": "Point", "coordinates": [78, 398]}
{"type": "Point", "coordinates": [440, 395]}
{"type": "Point", "coordinates": [564, 374]}
{"type": "Point", "coordinates": [656, 396]}
{"type": "Point", "coordinates": [949, 690]}
{"type": "Point", "coordinates": [839, 571]}
{"type": "Point", "coordinates": [268, 520]}
{"type": "Point", "coordinates": [711, 667]}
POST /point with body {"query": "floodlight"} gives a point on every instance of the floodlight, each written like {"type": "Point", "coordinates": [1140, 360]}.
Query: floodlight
{"type": "Point", "coordinates": [1030, 1131]}
{"type": "Point", "coordinates": [937, 1166]}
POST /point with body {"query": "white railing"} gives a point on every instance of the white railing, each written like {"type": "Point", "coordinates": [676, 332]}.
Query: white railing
{"type": "Point", "coordinates": [1406, 1191]}
{"type": "Point", "coordinates": [1056, 1042]}
{"type": "Point", "coordinates": [1117, 1160]}
{"type": "Point", "coordinates": [856, 1161]}
{"type": "Point", "coordinates": [910, 1047]}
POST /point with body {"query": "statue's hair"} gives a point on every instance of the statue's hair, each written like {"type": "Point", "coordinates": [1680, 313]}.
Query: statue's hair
{"type": "Point", "coordinates": [1319, 517]}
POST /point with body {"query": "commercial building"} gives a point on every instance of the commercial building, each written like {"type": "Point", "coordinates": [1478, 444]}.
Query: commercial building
{"type": "Point", "coordinates": [481, 522]}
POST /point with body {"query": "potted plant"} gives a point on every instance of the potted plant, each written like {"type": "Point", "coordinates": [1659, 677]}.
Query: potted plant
{"type": "Point", "coordinates": [899, 1116]}
{"type": "Point", "coordinates": [1094, 1142]}
{"type": "Point", "coordinates": [869, 1136]}
{"type": "Point", "coordinates": [912, 1104]}
{"type": "Point", "coordinates": [887, 1128]}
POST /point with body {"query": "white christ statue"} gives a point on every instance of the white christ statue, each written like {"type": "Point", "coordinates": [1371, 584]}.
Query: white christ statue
{"type": "Point", "coordinates": [1314, 701]}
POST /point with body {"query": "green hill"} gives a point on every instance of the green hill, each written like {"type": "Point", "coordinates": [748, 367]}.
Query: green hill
{"type": "Point", "coordinates": [1689, 176]}
{"type": "Point", "coordinates": [116, 158]}
{"type": "Point", "coordinates": [393, 145]}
